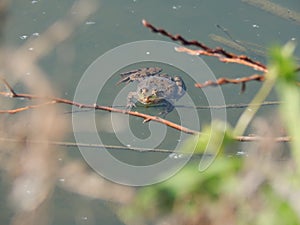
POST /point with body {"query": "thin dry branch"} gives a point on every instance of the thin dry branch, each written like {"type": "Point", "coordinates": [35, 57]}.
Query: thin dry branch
{"type": "Point", "coordinates": [226, 58]}
{"type": "Point", "coordinates": [12, 92]}
{"type": "Point", "coordinates": [224, 80]}
{"type": "Point", "coordinates": [134, 149]}
{"type": "Point", "coordinates": [20, 109]}
{"type": "Point", "coordinates": [147, 118]}
{"type": "Point", "coordinates": [53, 100]}
{"type": "Point", "coordinates": [220, 53]}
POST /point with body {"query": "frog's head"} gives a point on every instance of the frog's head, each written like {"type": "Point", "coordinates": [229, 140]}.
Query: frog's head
{"type": "Point", "coordinates": [147, 96]}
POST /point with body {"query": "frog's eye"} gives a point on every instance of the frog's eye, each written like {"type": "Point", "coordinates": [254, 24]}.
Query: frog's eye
{"type": "Point", "coordinates": [143, 90]}
{"type": "Point", "coordinates": [178, 81]}
{"type": "Point", "coordinates": [154, 91]}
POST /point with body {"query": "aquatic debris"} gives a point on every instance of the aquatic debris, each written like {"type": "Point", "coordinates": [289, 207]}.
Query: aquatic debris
{"type": "Point", "coordinates": [275, 9]}
{"type": "Point", "coordinates": [242, 46]}
{"type": "Point", "coordinates": [227, 42]}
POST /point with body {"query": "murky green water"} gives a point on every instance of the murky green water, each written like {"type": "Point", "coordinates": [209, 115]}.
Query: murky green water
{"type": "Point", "coordinates": [119, 22]}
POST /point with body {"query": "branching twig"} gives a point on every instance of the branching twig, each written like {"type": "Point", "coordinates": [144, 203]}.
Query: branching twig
{"type": "Point", "coordinates": [52, 100]}
{"type": "Point", "coordinates": [224, 80]}
{"type": "Point", "coordinates": [17, 110]}
{"type": "Point", "coordinates": [226, 58]}
{"type": "Point", "coordinates": [220, 53]}
{"type": "Point", "coordinates": [12, 92]}
{"type": "Point", "coordinates": [147, 118]}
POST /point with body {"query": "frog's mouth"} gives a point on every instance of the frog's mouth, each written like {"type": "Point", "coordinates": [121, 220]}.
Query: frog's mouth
{"type": "Point", "coordinates": [152, 99]}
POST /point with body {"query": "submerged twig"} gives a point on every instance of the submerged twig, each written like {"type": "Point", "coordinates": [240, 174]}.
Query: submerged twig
{"type": "Point", "coordinates": [275, 9]}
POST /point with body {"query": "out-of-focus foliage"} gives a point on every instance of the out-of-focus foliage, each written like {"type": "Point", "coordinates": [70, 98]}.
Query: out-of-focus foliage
{"type": "Point", "coordinates": [223, 194]}
{"type": "Point", "coordinates": [187, 192]}
{"type": "Point", "coordinates": [254, 190]}
{"type": "Point", "coordinates": [35, 172]}
{"type": "Point", "coordinates": [283, 69]}
{"type": "Point", "coordinates": [213, 139]}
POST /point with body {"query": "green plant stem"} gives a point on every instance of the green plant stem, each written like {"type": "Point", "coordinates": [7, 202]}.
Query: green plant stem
{"type": "Point", "coordinates": [255, 104]}
{"type": "Point", "coordinates": [290, 114]}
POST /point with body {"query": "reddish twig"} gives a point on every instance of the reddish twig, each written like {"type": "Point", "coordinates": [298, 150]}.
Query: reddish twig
{"type": "Point", "coordinates": [17, 110]}
{"type": "Point", "coordinates": [53, 100]}
{"type": "Point", "coordinates": [220, 53]}
{"type": "Point", "coordinates": [147, 118]}
{"type": "Point", "coordinates": [224, 80]}
{"type": "Point", "coordinates": [11, 93]}
{"type": "Point", "coordinates": [239, 59]}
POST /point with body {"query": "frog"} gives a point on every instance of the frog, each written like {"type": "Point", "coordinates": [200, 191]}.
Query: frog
{"type": "Point", "coordinates": [154, 88]}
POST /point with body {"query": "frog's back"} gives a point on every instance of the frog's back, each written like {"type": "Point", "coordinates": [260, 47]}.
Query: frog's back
{"type": "Point", "coordinates": [165, 86]}
{"type": "Point", "coordinates": [138, 74]}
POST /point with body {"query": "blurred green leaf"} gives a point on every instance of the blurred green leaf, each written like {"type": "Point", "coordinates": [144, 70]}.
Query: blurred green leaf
{"type": "Point", "coordinates": [277, 210]}
{"type": "Point", "coordinates": [212, 140]}
{"type": "Point", "coordinates": [283, 67]}
{"type": "Point", "coordinates": [229, 189]}
{"type": "Point", "coordinates": [189, 184]}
